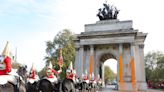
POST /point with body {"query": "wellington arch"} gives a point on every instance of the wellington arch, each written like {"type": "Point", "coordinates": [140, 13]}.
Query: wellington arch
{"type": "Point", "coordinates": [113, 39]}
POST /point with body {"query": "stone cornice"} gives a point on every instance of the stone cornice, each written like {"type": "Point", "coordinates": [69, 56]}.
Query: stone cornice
{"type": "Point", "coordinates": [103, 34]}
{"type": "Point", "coordinates": [112, 40]}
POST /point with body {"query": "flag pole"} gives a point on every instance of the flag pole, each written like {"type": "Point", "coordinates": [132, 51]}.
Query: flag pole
{"type": "Point", "coordinates": [60, 59]}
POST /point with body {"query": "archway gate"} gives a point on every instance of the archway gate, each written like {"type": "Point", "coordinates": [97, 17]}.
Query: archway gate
{"type": "Point", "coordinates": [113, 39]}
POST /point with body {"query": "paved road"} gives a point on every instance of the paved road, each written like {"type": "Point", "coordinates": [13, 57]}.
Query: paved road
{"type": "Point", "coordinates": [109, 89]}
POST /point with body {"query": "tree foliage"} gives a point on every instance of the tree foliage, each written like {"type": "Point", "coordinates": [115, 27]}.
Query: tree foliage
{"type": "Point", "coordinates": [42, 73]}
{"type": "Point", "coordinates": [64, 40]}
{"type": "Point", "coordinates": [154, 66]}
{"type": "Point", "coordinates": [151, 59]}
{"type": "Point", "coordinates": [160, 68]}
{"type": "Point", "coordinates": [109, 74]}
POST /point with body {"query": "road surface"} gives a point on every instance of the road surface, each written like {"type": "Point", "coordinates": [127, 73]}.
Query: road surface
{"type": "Point", "coordinates": [109, 89]}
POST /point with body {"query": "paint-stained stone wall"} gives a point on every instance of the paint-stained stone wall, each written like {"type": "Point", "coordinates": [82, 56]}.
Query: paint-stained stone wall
{"type": "Point", "coordinates": [113, 39]}
{"type": "Point", "coordinates": [126, 60]}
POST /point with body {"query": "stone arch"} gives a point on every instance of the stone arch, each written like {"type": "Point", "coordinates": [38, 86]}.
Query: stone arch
{"type": "Point", "coordinates": [102, 60]}
{"type": "Point", "coordinates": [116, 39]}
{"type": "Point", "coordinates": [106, 56]}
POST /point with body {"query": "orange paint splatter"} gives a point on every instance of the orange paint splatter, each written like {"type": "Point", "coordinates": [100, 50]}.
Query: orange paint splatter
{"type": "Point", "coordinates": [122, 85]}
{"type": "Point", "coordinates": [121, 68]}
{"type": "Point", "coordinates": [133, 72]}
{"type": "Point", "coordinates": [91, 65]}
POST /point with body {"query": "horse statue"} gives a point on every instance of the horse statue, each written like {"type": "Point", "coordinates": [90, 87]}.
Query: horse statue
{"type": "Point", "coordinates": [107, 12]}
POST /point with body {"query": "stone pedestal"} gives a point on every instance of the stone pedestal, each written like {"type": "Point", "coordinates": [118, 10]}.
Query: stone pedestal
{"type": "Point", "coordinates": [132, 87]}
{"type": "Point", "coordinates": [108, 25]}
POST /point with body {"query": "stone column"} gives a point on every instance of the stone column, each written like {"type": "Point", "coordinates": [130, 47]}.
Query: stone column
{"type": "Point", "coordinates": [122, 85]}
{"type": "Point", "coordinates": [81, 54]}
{"type": "Point", "coordinates": [132, 63]}
{"type": "Point", "coordinates": [121, 69]}
{"type": "Point", "coordinates": [77, 61]}
{"type": "Point", "coordinates": [84, 61]}
{"type": "Point", "coordinates": [96, 63]}
{"type": "Point", "coordinates": [142, 63]}
{"type": "Point", "coordinates": [118, 71]}
{"type": "Point", "coordinates": [91, 59]}
{"type": "Point", "coordinates": [142, 82]}
{"type": "Point", "coordinates": [133, 67]}
{"type": "Point", "coordinates": [103, 74]}
{"type": "Point", "coordinates": [138, 66]}
{"type": "Point", "coordinates": [87, 60]}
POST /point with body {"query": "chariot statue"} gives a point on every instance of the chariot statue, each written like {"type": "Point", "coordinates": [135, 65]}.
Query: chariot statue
{"type": "Point", "coordinates": [107, 12]}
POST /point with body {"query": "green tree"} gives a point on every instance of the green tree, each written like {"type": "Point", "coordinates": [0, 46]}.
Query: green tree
{"type": "Point", "coordinates": [42, 73]}
{"type": "Point", "coordinates": [160, 69]}
{"type": "Point", "coordinates": [64, 39]}
{"type": "Point", "coordinates": [151, 63]}
{"type": "Point", "coordinates": [151, 59]}
{"type": "Point", "coordinates": [109, 74]}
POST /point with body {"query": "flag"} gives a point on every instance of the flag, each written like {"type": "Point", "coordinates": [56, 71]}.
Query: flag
{"type": "Point", "coordinates": [60, 59]}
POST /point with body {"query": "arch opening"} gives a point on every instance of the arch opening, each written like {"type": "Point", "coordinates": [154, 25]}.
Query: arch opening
{"type": "Point", "coordinates": [110, 73]}
{"type": "Point", "coordinates": [108, 70]}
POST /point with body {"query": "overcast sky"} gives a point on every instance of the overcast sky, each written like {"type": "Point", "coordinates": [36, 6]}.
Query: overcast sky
{"type": "Point", "coordinates": [27, 24]}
